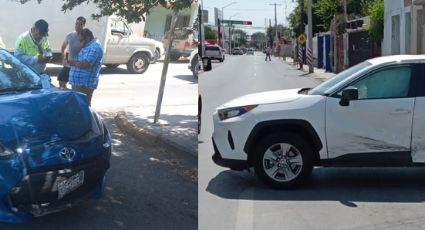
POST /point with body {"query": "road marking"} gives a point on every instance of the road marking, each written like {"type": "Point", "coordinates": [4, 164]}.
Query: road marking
{"type": "Point", "coordinates": [245, 214]}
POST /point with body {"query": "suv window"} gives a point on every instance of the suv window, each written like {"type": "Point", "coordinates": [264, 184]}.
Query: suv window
{"type": "Point", "coordinates": [385, 83]}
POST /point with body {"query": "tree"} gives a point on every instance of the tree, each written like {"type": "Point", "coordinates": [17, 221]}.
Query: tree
{"type": "Point", "coordinates": [132, 11]}
{"type": "Point", "coordinates": [240, 38]}
{"type": "Point", "coordinates": [209, 33]}
{"type": "Point", "coordinates": [325, 10]}
{"type": "Point", "coordinates": [376, 29]}
{"type": "Point", "coordinates": [257, 39]}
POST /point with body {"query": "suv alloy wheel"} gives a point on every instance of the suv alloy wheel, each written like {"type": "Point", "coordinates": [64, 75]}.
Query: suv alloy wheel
{"type": "Point", "coordinates": [283, 160]}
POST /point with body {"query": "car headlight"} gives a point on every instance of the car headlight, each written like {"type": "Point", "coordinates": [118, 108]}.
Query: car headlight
{"type": "Point", "coordinates": [227, 113]}
{"type": "Point", "coordinates": [5, 153]}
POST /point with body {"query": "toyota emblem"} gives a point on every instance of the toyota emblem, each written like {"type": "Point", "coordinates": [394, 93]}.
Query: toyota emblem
{"type": "Point", "coordinates": [67, 153]}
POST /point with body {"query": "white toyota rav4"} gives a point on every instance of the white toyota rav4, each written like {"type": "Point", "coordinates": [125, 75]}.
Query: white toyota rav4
{"type": "Point", "coordinates": [372, 114]}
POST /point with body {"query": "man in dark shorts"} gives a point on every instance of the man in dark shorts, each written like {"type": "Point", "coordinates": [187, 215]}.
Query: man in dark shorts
{"type": "Point", "coordinates": [70, 48]}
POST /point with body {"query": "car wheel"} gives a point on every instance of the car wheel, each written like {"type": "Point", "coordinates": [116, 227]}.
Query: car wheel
{"type": "Point", "coordinates": [112, 66]}
{"type": "Point", "coordinates": [139, 63]}
{"type": "Point", "coordinates": [283, 160]}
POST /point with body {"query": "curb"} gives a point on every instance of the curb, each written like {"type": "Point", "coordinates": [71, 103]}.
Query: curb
{"type": "Point", "coordinates": [148, 136]}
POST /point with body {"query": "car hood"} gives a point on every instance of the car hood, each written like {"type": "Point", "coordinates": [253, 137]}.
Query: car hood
{"type": "Point", "coordinates": [268, 97]}
{"type": "Point", "coordinates": [43, 115]}
{"type": "Point", "coordinates": [140, 41]}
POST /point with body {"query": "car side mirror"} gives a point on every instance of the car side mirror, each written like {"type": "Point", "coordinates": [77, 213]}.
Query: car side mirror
{"type": "Point", "coordinates": [206, 64]}
{"type": "Point", "coordinates": [349, 94]}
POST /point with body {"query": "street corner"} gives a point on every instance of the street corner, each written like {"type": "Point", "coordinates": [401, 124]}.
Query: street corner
{"type": "Point", "coordinates": [128, 123]}
{"type": "Point", "coordinates": [164, 133]}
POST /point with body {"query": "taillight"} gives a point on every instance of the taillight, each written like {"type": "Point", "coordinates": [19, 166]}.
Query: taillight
{"type": "Point", "coordinates": [186, 44]}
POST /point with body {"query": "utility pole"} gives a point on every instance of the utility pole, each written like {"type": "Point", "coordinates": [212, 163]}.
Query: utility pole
{"type": "Point", "coordinates": [310, 38]}
{"type": "Point", "coordinates": [165, 67]}
{"type": "Point", "coordinates": [275, 21]}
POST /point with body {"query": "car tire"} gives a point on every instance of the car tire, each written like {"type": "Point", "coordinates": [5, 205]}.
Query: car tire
{"type": "Point", "coordinates": [139, 63]}
{"type": "Point", "coordinates": [283, 160]}
{"type": "Point", "coordinates": [112, 66]}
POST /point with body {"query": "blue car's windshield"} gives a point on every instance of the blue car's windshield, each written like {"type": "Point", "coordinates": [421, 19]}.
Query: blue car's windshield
{"type": "Point", "coordinates": [321, 89]}
{"type": "Point", "coordinates": [16, 76]}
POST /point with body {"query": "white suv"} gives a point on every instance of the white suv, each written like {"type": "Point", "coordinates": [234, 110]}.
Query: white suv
{"type": "Point", "coordinates": [372, 114]}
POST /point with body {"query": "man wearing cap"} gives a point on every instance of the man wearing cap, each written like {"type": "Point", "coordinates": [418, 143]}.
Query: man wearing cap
{"type": "Point", "coordinates": [32, 47]}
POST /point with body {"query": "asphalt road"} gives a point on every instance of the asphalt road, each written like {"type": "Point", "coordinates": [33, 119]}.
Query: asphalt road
{"type": "Point", "coordinates": [337, 198]}
{"type": "Point", "coordinates": [142, 192]}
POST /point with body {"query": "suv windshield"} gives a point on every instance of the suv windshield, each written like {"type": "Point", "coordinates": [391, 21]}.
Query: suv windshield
{"type": "Point", "coordinates": [16, 76]}
{"type": "Point", "coordinates": [321, 89]}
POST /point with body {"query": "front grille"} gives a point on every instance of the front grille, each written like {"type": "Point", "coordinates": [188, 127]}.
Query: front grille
{"type": "Point", "coordinates": [40, 189]}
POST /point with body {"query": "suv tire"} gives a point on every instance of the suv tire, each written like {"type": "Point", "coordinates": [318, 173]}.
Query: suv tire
{"type": "Point", "coordinates": [139, 63]}
{"type": "Point", "coordinates": [283, 160]}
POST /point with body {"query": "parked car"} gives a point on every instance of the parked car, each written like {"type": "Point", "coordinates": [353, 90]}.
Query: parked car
{"type": "Point", "coordinates": [54, 148]}
{"type": "Point", "coordinates": [368, 115]}
{"type": "Point", "coordinates": [214, 52]}
{"type": "Point", "coordinates": [237, 51]}
{"type": "Point", "coordinates": [184, 43]}
{"type": "Point", "coordinates": [250, 51]}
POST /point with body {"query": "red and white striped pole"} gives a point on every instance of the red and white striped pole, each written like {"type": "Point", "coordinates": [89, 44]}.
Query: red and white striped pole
{"type": "Point", "coordinates": [310, 56]}
{"type": "Point", "coordinates": [310, 38]}
{"type": "Point", "coordinates": [300, 53]}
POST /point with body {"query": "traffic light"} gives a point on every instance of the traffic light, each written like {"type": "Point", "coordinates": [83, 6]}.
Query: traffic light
{"type": "Point", "coordinates": [247, 22]}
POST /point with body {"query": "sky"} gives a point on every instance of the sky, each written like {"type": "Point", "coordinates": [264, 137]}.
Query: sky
{"type": "Point", "coordinates": [251, 10]}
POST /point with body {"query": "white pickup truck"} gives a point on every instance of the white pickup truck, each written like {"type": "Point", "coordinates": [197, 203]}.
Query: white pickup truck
{"type": "Point", "coordinates": [120, 44]}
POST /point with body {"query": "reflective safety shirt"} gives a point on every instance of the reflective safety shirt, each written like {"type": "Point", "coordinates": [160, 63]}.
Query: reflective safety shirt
{"type": "Point", "coordinates": [27, 50]}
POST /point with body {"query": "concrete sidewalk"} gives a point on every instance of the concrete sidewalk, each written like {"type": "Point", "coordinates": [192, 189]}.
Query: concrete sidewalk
{"type": "Point", "coordinates": [319, 74]}
{"type": "Point", "coordinates": [177, 127]}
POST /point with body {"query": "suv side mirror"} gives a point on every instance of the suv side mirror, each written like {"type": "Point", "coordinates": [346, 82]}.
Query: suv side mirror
{"type": "Point", "coordinates": [348, 94]}
{"type": "Point", "coordinates": [206, 64]}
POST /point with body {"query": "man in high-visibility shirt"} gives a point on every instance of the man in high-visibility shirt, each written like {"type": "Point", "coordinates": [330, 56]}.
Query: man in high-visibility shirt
{"type": "Point", "coordinates": [32, 47]}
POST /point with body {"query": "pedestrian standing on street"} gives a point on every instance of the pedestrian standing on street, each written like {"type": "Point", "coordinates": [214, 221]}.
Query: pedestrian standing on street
{"type": "Point", "coordinates": [85, 69]}
{"type": "Point", "coordinates": [268, 52]}
{"type": "Point", "coordinates": [70, 48]}
{"type": "Point", "coordinates": [32, 47]}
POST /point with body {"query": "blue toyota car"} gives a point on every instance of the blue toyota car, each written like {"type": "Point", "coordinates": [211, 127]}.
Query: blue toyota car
{"type": "Point", "coordinates": [54, 149]}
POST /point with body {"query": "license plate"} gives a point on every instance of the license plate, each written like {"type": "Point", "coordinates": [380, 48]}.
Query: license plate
{"type": "Point", "coordinates": [70, 184]}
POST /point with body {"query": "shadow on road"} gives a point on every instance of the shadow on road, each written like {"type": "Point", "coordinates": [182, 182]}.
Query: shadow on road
{"type": "Point", "coordinates": [346, 185]}
{"type": "Point", "coordinates": [188, 78]}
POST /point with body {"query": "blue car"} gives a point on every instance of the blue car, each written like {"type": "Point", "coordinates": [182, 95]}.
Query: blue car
{"type": "Point", "coordinates": [54, 149]}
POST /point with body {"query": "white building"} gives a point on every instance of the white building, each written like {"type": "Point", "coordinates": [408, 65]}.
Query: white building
{"type": "Point", "coordinates": [403, 27]}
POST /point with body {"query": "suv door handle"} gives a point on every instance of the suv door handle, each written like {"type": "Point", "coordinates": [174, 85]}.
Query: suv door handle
{"type": "Point", "coordinates": [400, 111]}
